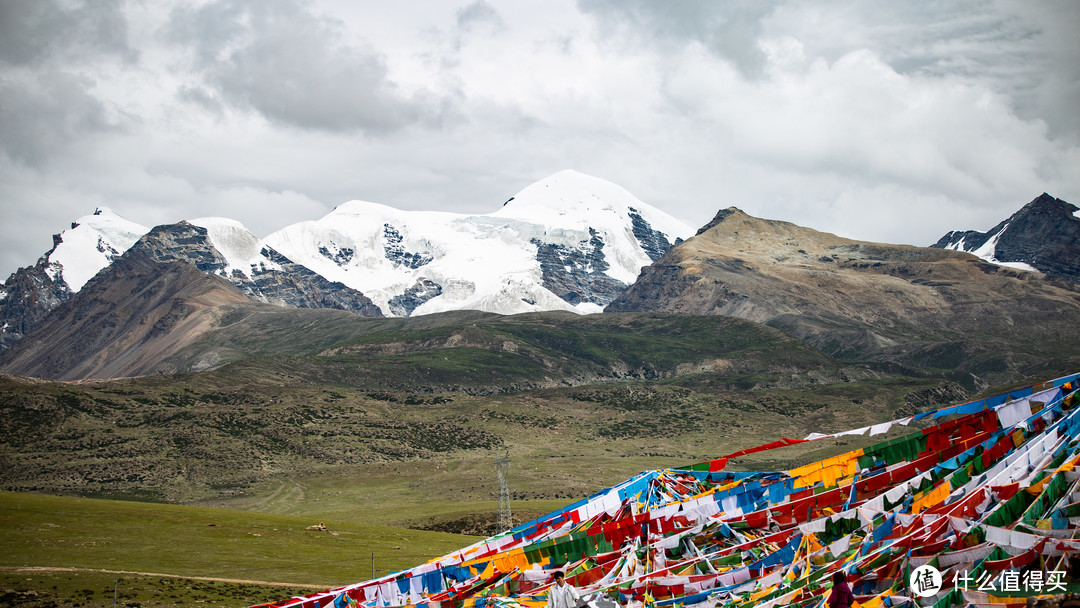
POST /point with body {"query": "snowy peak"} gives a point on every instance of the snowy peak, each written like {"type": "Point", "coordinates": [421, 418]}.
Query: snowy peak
{"type": "Point", "coordinates": [568, 242]}
{"type": "Point", "coordinates": [566, 193]}
{"type": "Point", "coordinates": [239, 247]}
{"type": "Point", "coordinates": [572, 199]}
{"type": "Point", "coordinates": [92, 243]}
{"type": "Point", "coordinates": [78, 253]}
{"type": "Point", "coordinates": [1042, 236]}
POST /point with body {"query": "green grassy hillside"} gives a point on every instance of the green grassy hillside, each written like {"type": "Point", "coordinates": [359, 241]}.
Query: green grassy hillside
{"type": "Point", "coordinates": [482, 353]}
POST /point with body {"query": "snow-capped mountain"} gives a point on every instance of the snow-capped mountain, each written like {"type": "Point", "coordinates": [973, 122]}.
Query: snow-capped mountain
{"type": "Point", "coordinates": [1043, 236]}
{"type": "Point", "coordinates": [568, 242]}
{"type": "Point", "coordinates": [78, 253]}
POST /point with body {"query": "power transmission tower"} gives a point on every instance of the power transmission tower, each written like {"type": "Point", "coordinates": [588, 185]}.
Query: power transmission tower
{"type": "Point", "coordinates": [502, 465]}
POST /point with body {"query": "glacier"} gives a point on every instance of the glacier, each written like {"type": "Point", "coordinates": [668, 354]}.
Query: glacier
{"type": "Point", "coordinates": [485, 262]}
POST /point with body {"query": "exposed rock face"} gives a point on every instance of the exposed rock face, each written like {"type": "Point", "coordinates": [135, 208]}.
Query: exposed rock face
{"type": "Point", "coordinates": [277, 281]}
{"type": "Point", "coordinates": [124, 320]}
{"type": "Point", "coordinates": [577, 274]}
{"type": "Point", "coordinates": [858, 300]}
{"type": "Point", "coordinates": [395, 251]}
{"type": "Point", "coordinates": [339, 256]}
{"type": "Point", "coordinates": [414, 297]}
{"type": "Point", "coordinates": [182, 242]}
{"type": "Point", "coordinates": [297, 286]}
{"type": "Point", "coordinates": [26, 298]}
{"type": "Point", "coordinates": [1043, 234]}
{"type": "Point", "coordinates": [652, 241]}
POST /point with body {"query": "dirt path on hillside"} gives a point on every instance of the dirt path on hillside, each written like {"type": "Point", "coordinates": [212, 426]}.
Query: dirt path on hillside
{"type": "Point", "coordinates": [159, 575]}
{"type": "Point", "coordinates": [263, 503]}
{"type": "Point", "coordinates": [285, 495]}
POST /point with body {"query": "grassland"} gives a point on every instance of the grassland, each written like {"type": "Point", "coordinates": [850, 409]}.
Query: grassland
{"type": "Point", "coordinates": [72, 549]}
{"type": "Point", "coordinates": [402, 459]}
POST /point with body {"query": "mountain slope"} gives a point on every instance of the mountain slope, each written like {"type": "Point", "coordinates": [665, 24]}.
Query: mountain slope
{"type": "Point", "coordinates": [125, 318]}
{"type": "Point", "coordinates": [1044, 235]}
{"type": "Point", "coordinates": [413, 407]}
{"type": "Point", "coordinates": [858, 300]}
{"type": "Point", "coordinates": [485, 353]}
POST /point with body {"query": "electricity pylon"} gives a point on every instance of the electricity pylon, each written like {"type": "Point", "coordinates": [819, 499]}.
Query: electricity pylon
{"type": "Point", "coordinates": [502, 465]}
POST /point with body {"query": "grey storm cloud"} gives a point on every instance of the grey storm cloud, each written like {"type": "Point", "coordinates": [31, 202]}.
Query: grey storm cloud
{"type": "Point", "coordinates": [728, 29]}
{"type": "Point", "coordinates": [42, 116]}
{"type": "Point", "coordinates": [478, 13]}
{"type": "Point", "coordinates": [45, 102]}
{"type": "Point", "coordinates": [37, 31]}
{"type": "Point", "coordinates": [1025, 51]}
{"type": "Point", "coordinates": [294, 67]}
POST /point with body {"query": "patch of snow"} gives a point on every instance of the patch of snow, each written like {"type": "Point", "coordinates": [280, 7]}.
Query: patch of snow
{"type": "Point", "coordinates": [989, 248]}
{"type": "Point", "coordinates": [958, 245]}
{"type": "Point", "coordinates": [237, 244]}
{"type": "Point", "coordinates": [588, 308]}
{"type": "Point", "coordinates": [55, 271]}
{"type": "Point", "coordinates": [988, 252]}
{"type": "Point", "coordinates": [94, 242]}
{"type": "Point", "coordinates": [1016, 265]}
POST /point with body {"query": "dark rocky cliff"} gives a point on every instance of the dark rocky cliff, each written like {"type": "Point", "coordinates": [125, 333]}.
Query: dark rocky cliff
{"type": "Point", "coordinates": [577, 274]}
{"type": "Point", "coordinates": [1044, 234]}
{"type": "Point", "coordinates": [293, 285]}
{"type": "Point", "coordinates": [25, 298]}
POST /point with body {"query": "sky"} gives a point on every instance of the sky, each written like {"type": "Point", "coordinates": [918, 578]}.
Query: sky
{"type": "Point", "coordinates": [883, 121]}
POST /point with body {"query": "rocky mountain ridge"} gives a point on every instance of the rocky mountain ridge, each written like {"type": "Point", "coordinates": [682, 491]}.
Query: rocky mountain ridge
{"type": "Point", "coordinates": [1044, 235]}
{"type": "Point", "coordinates": [26, 298]}
{"type": "Point", "coordinates": [276, 280]}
